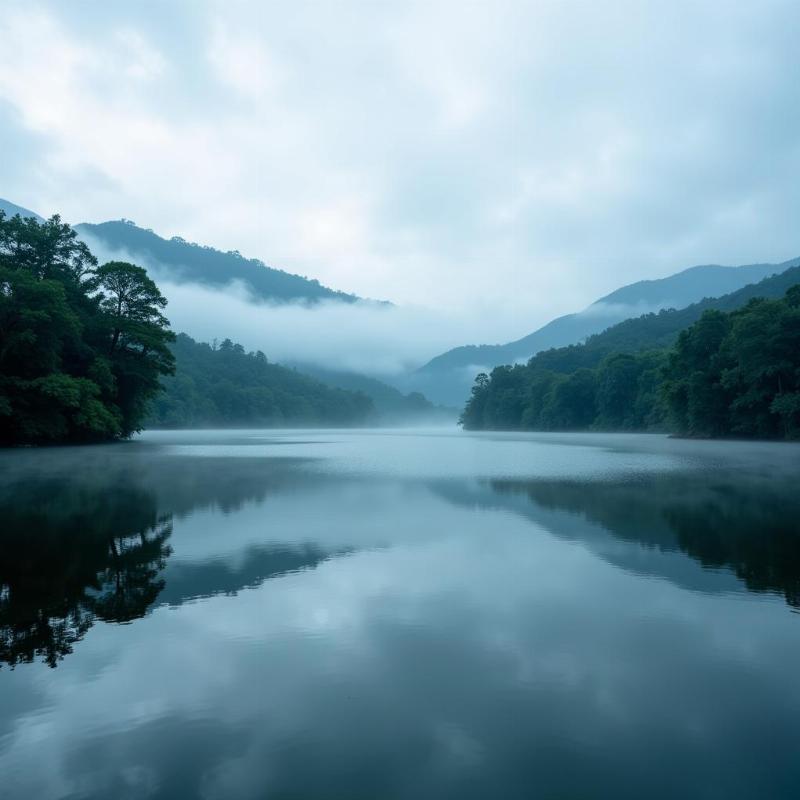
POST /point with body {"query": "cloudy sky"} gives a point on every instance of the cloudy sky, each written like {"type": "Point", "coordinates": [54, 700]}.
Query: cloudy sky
{"type": "Point", "coordinates": [506, 160]}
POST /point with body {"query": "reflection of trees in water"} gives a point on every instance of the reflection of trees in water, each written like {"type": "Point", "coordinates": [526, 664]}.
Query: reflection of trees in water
{"type": "Point", "coordinates": [84, 535]}
{"type": "Point", "coordinates": [759, 540]}
{"type": "Point", "coordinates": [68, 556]}
{"type": "Point", "coordinates": [751, 527]}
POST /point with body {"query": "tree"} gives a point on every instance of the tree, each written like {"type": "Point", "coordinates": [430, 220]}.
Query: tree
{"type": "Point", "coordinates": [693, 389]}
{"type": "Point", "coordinates": [228, 386]}
{"type": "Point", "coordinates": [728, 373]}
{"type": "Point", "coordinates": [570, 403]}
{"type": "Point", "coordinates": [47, 250]}
{"type": "Point", "coordinates": [472, 415]}
{"type": "Point", "coordinates": [43, 395]}
{"type": "Point", "coordinates": [81, 347]}
{"type": "Point", "coordinates": [137, 337]}
{"type": "Point", "coordinates": [762, 358]}
{"type": "Point", "coordinates": [617, 388]}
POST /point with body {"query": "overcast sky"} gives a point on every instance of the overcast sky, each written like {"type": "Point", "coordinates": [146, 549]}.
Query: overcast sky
{"type": "Point", "coordinates": [515, 159]}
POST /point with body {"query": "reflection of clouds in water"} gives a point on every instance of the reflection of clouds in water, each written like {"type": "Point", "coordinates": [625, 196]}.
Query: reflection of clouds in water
{"type": "Point", "coordinates": [446, 452]}
{"type": "Point", "coordinates": [443, 632]}
{"type": "Point", "coordinates": [464, 649]}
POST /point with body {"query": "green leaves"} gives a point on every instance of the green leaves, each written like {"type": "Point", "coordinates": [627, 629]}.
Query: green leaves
{"type": "Point", "coordinates": [47, 250]}
{"type": "Point", "coordinates": [728, 374]}
{"type": "Point", "coordinates": [81, 346]}
{"type": "Point", "coordinates": [226, 386]}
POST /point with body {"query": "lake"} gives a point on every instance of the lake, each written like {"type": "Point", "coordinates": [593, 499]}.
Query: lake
{"type": "Point", "coordinates": [400, 614]}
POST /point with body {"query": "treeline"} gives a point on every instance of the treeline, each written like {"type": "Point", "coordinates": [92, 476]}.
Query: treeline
{"type": "Point", "coordinates": [222, 385]}
{"type": "Point", "coordinates": [730, 373]}
{"type": "Point", "coordinates": [82, 346]}
{"type": "Point", "coordinates": [86, 354]}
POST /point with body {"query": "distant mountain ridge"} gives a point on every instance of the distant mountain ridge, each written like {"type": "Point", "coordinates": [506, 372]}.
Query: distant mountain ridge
{"type": "Point", "coordinates": [179, 261]}
{"type": "Point", "coordinates": [185, 262]}
{"type": "Point", "coordinates": [391, 405]}
{"type": "Point", "coordinates": [660, 330]}
{"type": "Point", "coordinates": [447, 378]}
{"type": "Point", "coordinates": [12, 208]}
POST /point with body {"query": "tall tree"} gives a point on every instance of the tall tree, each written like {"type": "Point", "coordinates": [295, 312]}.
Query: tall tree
{"type": "Point", "coordinates": [82, 347]}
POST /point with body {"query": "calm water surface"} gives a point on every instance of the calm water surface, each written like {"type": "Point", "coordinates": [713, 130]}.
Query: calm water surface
{"type": "Point", "coordinates": [431, 614]}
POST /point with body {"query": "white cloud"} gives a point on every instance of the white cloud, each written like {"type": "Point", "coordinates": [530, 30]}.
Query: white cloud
{"type": "Point", "coordinates": [243, 63]}
{"type": "Point", "coordinates": [364, 337]}
{"type": "Point", "coordinates": [512, 162]}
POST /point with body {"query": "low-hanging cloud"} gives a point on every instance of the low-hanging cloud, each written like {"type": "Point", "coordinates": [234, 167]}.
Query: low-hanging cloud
{"type": "Point", "coordinates": [507, 158]}
{"type": "Point", "coordinates": [366, 336]}
{"type": "Point", "coordinates": [362, 337]}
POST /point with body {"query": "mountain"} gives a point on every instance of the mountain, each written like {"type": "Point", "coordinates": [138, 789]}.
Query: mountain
{"type": "Point", "coordinates": [722, 367]}
{"type": "Point", "coordinates": [656, 330]}
{"type": "Point", "coordinates": [391, 405]}
{"type": "Point", "coordinates": [11, 209]}
{"type": "Point", "coordinates": [228, 387]}
{"type": "Point", "coordinates": [447, 378]}
{"type": "Point", "coordinates": [179, 261]}
{"type": "Point", "coordinates": [650, 331]}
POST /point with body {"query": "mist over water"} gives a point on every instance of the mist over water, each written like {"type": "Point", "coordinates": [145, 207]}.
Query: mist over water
{"type": "Point", "coordinates": [424, 613]}
{"type": "Point", "coordinates": [393, 221]}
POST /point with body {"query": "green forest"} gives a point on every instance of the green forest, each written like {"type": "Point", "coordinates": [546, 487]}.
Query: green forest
{"type": "Point", "coordinates": [82, 345]}
{"type": "Point", "coordinates": [730, 373]}
{"type": "Point", "coordinates": [87, 355]}
{"type": "Point", "coordinates": [222, 385]}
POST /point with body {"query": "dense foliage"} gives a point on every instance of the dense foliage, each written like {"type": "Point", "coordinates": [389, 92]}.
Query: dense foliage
{"type": "Point", "coordinates": [225, 386]}
{"type": "Point", "coordinates": [728, 374]}
{"type": "Point", "coordinates": [82, 346]}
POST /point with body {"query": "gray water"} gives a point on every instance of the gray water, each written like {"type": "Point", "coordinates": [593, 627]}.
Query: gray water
{"type": "Point", "coordinates": [425, 614]}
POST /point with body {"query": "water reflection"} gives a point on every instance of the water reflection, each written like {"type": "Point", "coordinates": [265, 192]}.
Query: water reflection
{"type": "Point", "coordinates": [744, 525]}
{"type": "Point", "coordinates": [69, 556]}
{"type": "Point", "coordinates": [394, 633]}
{"type": "Point", "coordinates": [194, 580]}
{"type": "Point", "coordinates": [92, 543]}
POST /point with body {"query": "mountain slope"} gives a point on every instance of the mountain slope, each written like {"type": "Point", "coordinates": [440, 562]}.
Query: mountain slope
{"type": "Point", "coordinates": [12, 208]}
{"type": "Point", "coordinates": [651, 331]}
{"type": "Point", "coordinates": [391, 405]}
{"type": "Point", "coordinates": [179, 261]}
{"type": "Point", "coordinates": [448, 377]}
{"type": "Point", "coordinates": [226, 386]}
{"type": "Point", "coordinates": [719, 368]}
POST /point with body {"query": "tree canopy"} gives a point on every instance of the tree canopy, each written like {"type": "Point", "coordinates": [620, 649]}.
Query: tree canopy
{"type": "Point", "coordinates": [223, 385]}
{"type": "Point", "coordinates": [733, 373]}
{"type": "Point", "coordinates": [82, 346]}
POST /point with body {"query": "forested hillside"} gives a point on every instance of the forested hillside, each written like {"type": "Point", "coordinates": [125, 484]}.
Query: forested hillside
{"type": "Point", "coordinates": [180, 261]}
{"type": "Point", "coordinates": [730, 371]}
{"type": "Point", "coordinates": [222, 385]}
{"type": "Point", "coordinates": [85, 352]}
{"type": "Point", "coordinates": [447, 377]}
